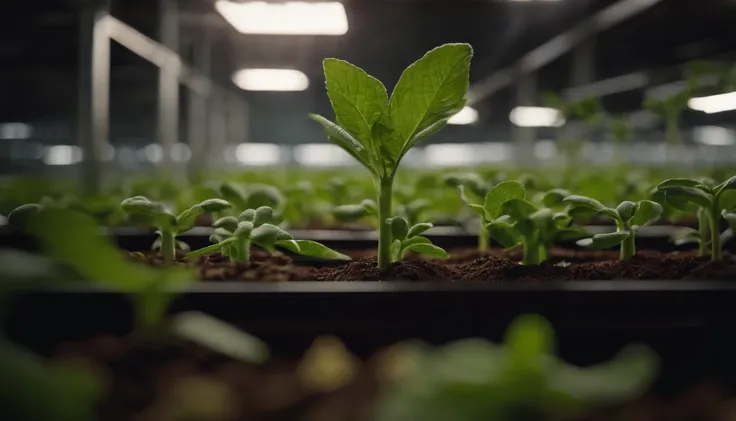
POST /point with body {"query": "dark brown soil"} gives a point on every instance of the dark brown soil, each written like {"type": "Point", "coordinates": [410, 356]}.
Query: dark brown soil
{"type": "Point", "coordinates": [365, 270]}
{"type": "Point", "coordinates": [151, 382]}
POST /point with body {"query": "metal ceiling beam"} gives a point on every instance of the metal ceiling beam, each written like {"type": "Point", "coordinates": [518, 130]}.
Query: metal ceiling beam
{"type": "Point", "coordinates": [559, 45]}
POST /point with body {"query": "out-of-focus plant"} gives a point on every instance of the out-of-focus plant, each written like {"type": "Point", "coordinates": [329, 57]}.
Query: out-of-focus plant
{"type": "Point", "coordinates": [252, 196]}
{"type": "Point", "coordinates": [167, 224]}
{"type": "Point", "coordinates": [234, 237]}
{"type": "Point", "coordinates": [520, 380]}
{"type": "Point", "coordinates": [586, 111]}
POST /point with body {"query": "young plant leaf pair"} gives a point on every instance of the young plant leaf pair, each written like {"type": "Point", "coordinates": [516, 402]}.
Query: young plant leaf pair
{"type": "Point", "coordinates": [233, 237]}
{"type": "Point", "coordinates": [406, 239]}
{"type": "Point", "coordinates": [378, 131]}
{"type": "Point", "coordinates": [167, 224]}
{"type": "Point", "coordinates": [713, 202]}
{"type": "Point", "coordinates": [627, 216]}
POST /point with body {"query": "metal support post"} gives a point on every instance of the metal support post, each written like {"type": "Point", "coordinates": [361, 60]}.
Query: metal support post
{"type": "Point", "coordinates": [198, 103]}
{"type": "Point", "coordinates": [168, 89]}
{"type": "Point", "coordinates": [525, 137]}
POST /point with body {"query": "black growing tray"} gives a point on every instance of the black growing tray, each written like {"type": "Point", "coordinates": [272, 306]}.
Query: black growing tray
{"type": "Point", "coordinates": [690, 324]}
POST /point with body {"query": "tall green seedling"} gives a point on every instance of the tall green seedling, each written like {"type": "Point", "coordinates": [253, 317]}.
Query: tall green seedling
{"type": "Point", "coordinates": [378, 131]}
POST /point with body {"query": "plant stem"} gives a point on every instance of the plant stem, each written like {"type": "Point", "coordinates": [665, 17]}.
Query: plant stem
{"type": "Point", "coordinates": [543, 254]}
{"type": "Point", "coordinates": [385, 190]}
{"type": "Point", "coordinates": [628, 246]}
{"type": "Point", "coordinates": [715, 235]}
{"type": "Point", "coordinates": [704, 230]}
{"type": "Point", "coordinates": [242, 250]}
{"type": "Point", "coordinates": [168, 246]}
{"type": "Point", "coordinates": [672, 132]}
{"type": "Point", "coordinates": [531, 252]}
{"type": "Point", "coordinates": [484, 237]}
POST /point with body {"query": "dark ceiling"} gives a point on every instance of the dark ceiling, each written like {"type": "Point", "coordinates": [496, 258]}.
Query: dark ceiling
{"type": "Point", "coordinates": [38, 55]}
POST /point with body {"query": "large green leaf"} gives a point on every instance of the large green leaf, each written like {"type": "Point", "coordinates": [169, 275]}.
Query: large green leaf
{"type": "Point", "coordinates": [626, 210]}
{"type": "Point", "coordinates": [428, 250]}
{"type": "Point", "coordinates": [591, 204]}
{"type": "Point", "coordinates": [346, 141]}
{"type": "Point", "coordinates": [311, 249]}
{"type": "Point", "coordinates": [731, 219]}
{"type": "Point", "coordinates": [722, 194]}
{"type": "Point", "coordinates": [604, 241]}
{"type": "Point", "coordinates": [682, 182]}
{"type": "Point", "coordinates": [647, 213]}
{"type": "Point", "coordinates": [690, 194]}
{"type": "Point", "coordinates": [517, 209]}
{"type": "Point", "coordinates": [500, 194]}
{"type": "Point", "coordinates": [419, 229]}
{"type": "Point", "coordinates": [504, 233]}
{"type": "Point", "coordinates": [429, 91]}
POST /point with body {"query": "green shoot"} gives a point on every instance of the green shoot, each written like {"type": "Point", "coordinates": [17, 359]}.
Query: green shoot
{"type": "Point", "coordinates": [233, 237]}
{"type": "Point", "coordinates": [73, 239]}
{"type": "Point", "coordinates": [378, 132]}
{"type": "Point", "coordinates": [520, 380]}
{"type": "Point", "coordinates": [713, 202]}
{"type": "Point", "coordinates": [168, 224]}
{"type": "Point", "coordinates": [406, 239]}
{"type": "Point", "coordinates": [628, 216]}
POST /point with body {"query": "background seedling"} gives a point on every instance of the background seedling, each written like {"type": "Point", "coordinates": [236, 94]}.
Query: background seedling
{"type": "Point", "coordinates": [472, 185]}
{"type": "Point", "coordinates": [713, 202]}
{"type": "Point", "coordinates": [168, 224]}
{"type": "Point", "coordinates": [627, 216]}
{"type": "Point", "coordinates": [234, 237]}
{"type": "Point", "coordinates": [406, 239]}
{"type": "Point", "coordinates": [252, 196]}
{"type": "Point", "coordinates": [520, 380]}
{"type": "Point", "coordinates": [352, 213]}
{"type": "Point", "coordinates": [378, 132]}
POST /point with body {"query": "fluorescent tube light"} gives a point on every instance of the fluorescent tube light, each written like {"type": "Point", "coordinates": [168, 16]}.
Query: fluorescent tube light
{"type": "Point", "coordinates": [467, 115]}
{"type": "Point", "coordinates": [271, 80]}
{"type": "Point", "coordinates": [62, 155]}
{"type": "Point", "coordinates": [287, 18]}
{"type": "Point", "coordinates": [536, 117]}
{"type": "Point", "coordinates": [321, 155]}
{"type": "Point", "coordinates": [714, 103]}
{"type": "Point", "coordinates": [714, 136]}
{"type": "Point", "coordinates": [258, 153]}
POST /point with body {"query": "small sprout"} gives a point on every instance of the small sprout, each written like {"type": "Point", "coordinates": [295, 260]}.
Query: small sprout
{"type": "Point", "coordinates": [713, 202]}
{"type": "Point", "coordinates": [167, 224]}
{"type": "Point", "coordinates": [233, 237]}
{"type": "Point", "coordinates": [628, 216]}
{"type": "Point", "coordinates": [406, 239]}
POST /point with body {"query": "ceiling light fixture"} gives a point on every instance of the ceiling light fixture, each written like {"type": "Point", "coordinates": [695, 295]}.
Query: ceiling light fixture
{"type": "Point", "coordinates": [536, 117]}
{"type": "Point", "coordinates": [271, 80]}
{"type": "Point", "coordinates": [285, 18]}
{"type": "Point", "coordinates": [467, 115]}
{"type": "Point", "coordinates": [714, 103]}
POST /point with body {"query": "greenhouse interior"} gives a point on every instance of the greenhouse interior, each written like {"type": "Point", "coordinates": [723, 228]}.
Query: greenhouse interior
{"type": "Point", "coordinates": [368, 210]}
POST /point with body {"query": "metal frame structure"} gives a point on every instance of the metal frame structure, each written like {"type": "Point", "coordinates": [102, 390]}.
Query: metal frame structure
{"type": "Point", "coordinates": [207, 103]}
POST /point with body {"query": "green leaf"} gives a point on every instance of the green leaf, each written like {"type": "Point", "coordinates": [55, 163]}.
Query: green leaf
{"type": "Point", "coordinates": [726, 186]}
{"type": "Point", "coordinates": [349, 213]}
{"type": "Point", "coordinates": [727, 201]}
{"type": "Point", "coordinates": [248, 215]}
{"type": "Point", "coordinates": [19, 216]}
{"type": "Point", "coordinates": [346, 141]}
{"type": "Point", "coordinates": [186, 220]}
{"type": "Point", "coordinates": [234, 194]}
{"type": "Point", "coordinates": [517, 209]}
{"type": "Point", "coordinates": [529, 337]}
{"type": "Point", "coordinates": [729, 184]}
{"type": "Point", "coordinates": [428, 250]}
{"type": "Point", "coordinates": [417, 239]}
{"type": "Point", "coordinates": [626, 210]}
{"type": "Point", "coordinates": [358, 99]}
{"type": "Point", "coordinates": [682, 182]}
{"type": "Point", "coordinates": [604, 241]}
{"type": "Point", "coordinates": [311, 249]}
{"type": "Point", "coordinates": [215, 205]}
{"type": "Point", "coordinates": [591, 204]}
{"type": "Point", "coordinates": [419, 229]}
{"type": "Point", "coordinates": [647, 213]}
{"type": "Point", "coordinates": [504, 233]}
{"type": "Point", "coordinates": [267, 235]}
{"type": "Point", "coordinates": [501, 193]}
{"type": "Point", "coordinates": [686, 235]}
{"type": "Point", "coordinates": [244, 230]}
{"type": "Point", "coordinates": [229, 223]}
{"type": "Point", "coordinates": [554, 198]}
{"type": "Point", "coordinates": [263, 215]}
{"type": "Point", "coordinates": [689, 194]}
{"type": "Point", "coordinates": [429, 91]}
{"type": "Point", "coordinates": [156, 213]}
{"type": "Point", "coordinates": [399, 227]}
{"type": "Point", "coordinates": [731, 219]}
{"type": "Point", "coordinates": [211, 249]}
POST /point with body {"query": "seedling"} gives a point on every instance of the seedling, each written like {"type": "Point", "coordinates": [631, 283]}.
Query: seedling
{"type": "Point", "coordinates": [168, 224]}
{"type": "Point", "coordinates": [254, 196]}
{"type": "Point", "coordinates": [234, 237]}
{"type": "Point", "coordinates": [473, 184]}
{"type": "Point", "coordinates": [520, 380]}
{"type": "Point", "coordinates": [713, 202]}
{"type": "Point", "coordinates": [628, 216]}
{"type": "Point", "coordinates": [378, 132]}
{"type": "Point", "coordinates": [406, 239]}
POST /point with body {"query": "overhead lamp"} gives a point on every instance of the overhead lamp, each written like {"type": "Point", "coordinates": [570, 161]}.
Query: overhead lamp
{"type": "Point", "coordinates": [536, 117]}
{"type": "Point", "coordinates": [285, 18]}
{"type": "Point", "coordinates": [271, 80]}
{"type": "Point", "coordinates": [467, 115]}
{"type": "Point", "coordinates": [714, 103]}
{"type": "Point", "coordinates": [258, 153]}
{"type": "Point", "coordinates": [714, 136]}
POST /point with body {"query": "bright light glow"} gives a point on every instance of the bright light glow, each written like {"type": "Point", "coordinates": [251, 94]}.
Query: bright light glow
{"type": "Point", "coordinates": [271, 80]}
{"type": "Point", "coordinates": [15, 131]}
{"type": "Point", "coordinates": [714, 136]}
{"type": "Point", "coordinates": [467, 115]}
{"type": "Point", "coordinates": [450, 154]}
{"type": "Point", "coordinates": [545, 149]}
{"type": "Point", "coordinates": [536, 117]}
{"type": "Point", "coordinates": [180, 152]}
{"type": "Point", "coordinates": [258, 153]}
{"type": "Point", "coordinates": [153, 152]}
{"type": "Point", "coordinates": [287, 18]}
{"type": "Point", "coordinates": [321, 154]}
{"type": "Point", "coordinates": [714, 103]}
{"type": "Point", "coordinates": [62, 155]}
{"type": "Point", "coordinates": [108, 153]}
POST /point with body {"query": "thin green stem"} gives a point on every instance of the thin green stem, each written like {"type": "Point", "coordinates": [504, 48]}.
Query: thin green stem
{"type": "Point", "coordinates": [242, 251]}
{"type": "Point", "coordinates": [168, 246]}
{"type": "Point", "coordinates": [385, 190]}
{"type": "Point", "coordinates": [484, 237]}
{"type": "Point", "coordinates": [531, 252]}
{"type": "Point", "coordinates": [628, 246]}
{"type": "Point", "coordinates": [543, 254]}
{"type": "Point", "coordinates": [672, 130]}
{"type": "Point", "coordinates": [715, 235]}
{"type": "Point", "coordinates": [704, 231]}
